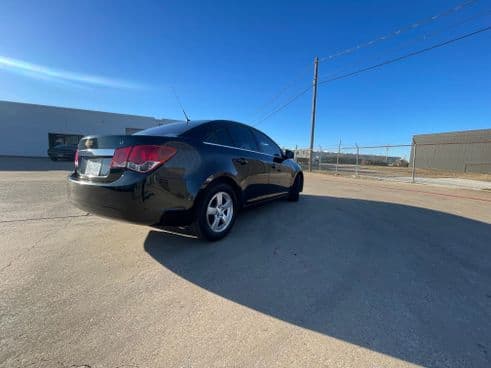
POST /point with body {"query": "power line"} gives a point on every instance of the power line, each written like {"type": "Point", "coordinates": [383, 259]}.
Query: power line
{"type": "Point", "coordinates": [399, 31]}
{"type": "Point", "coordinates": [297, 96]}
{"type": "Point", "coordinates": [411, 54]}
{"type": "Point", "coordinates": [280, 92]}
{"type": "Point", "coordinates": [370, 43]}
{"type": "Point", "coordinates": [418, 38]}
{"type": "Point", "coordinates": [390, 61]}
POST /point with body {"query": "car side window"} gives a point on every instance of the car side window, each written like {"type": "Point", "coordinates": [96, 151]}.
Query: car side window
{"type": "Point", "coordinates": [266, 145]}
{"type": "Point", "coordinates": [218, 135]}
{"type": "Point", "coordinates": [242, 137]}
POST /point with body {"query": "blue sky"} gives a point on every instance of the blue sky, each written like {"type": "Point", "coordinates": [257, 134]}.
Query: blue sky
{"type": "Point", "coordinates": [226, 59]}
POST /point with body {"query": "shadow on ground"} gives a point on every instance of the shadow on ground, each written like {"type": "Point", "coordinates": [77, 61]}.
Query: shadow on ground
{"type": "Point", "coordinates": [13, 163]}
{"type": "Point", "coordinates": [404, 281]}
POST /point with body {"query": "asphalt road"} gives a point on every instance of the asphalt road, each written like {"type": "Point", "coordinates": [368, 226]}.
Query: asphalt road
{"type": "Point", "coordinates": [358, 273]}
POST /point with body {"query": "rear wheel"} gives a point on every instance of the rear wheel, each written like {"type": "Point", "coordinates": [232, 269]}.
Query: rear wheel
{"type": "Point", "coordinates": [53, 158]}
{"type": "Point", "coordinates": [294, 193]}
{"type": "Point", "coordinates": [216, 212]}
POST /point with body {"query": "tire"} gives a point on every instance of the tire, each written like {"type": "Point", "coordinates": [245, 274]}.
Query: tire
{"type": "Point", "coordinates": [294, 193]}
{"type": "Point", "coordinates": [215, 226]}
{"type": "Point", "coordinates": [53, 158]}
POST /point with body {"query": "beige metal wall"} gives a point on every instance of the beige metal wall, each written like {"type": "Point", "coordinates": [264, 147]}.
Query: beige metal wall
{"type": "Point", "coordinates": [466, 151]}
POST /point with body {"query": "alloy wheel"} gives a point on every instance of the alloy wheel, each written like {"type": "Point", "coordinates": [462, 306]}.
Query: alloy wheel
{"type": "Point", "coordinates": [220, 211]}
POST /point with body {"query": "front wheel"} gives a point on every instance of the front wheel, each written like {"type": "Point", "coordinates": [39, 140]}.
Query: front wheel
{"type": "Point", "coordinates": [294, 193]}
{"type": "Point", "coordinates": [216, 212]}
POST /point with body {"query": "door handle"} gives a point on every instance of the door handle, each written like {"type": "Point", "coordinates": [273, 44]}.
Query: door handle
{"type": "Point", "coordinates": [241, 161]}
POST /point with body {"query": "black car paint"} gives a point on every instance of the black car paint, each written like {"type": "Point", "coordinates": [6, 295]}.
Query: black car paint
{"type": "Point", "coordinates": [167, 195]}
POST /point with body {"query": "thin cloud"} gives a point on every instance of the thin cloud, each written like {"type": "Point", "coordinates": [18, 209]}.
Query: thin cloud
{"type": "Point", "coordinates": [43, 72]}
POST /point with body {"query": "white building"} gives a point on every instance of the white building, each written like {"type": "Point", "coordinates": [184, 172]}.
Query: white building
{"type": "Point", "coordinates": [29, 130]}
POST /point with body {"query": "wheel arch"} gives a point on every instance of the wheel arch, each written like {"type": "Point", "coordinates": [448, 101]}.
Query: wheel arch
{"type": "Point", "coordinates": [213, 180]}
{"type": "Point", "coordinates": [301, 178]}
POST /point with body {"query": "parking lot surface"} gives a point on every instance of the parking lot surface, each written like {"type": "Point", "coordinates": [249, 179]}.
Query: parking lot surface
{"type": "Point", "coordinates": [358, 273]}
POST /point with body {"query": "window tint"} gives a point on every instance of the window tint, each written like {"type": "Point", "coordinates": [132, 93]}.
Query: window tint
{"type": "Point", "coordinates": [169, 129]}
{"type": "Point", "coordinates": [266, 145]}
{"type": "Point", "coordinates": [218, 135]}
{"type": "Point", "coordinates": [242, 137]}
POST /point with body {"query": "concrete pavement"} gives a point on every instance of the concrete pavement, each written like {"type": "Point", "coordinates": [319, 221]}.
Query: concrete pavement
{"type": "Point", "coordinates": [357, 273]}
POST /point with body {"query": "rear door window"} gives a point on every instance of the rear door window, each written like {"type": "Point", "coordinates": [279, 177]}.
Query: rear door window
{"type": "Point", "coordinates": [218, 134]}
{"type": "Point", "coordinates": [266, 144]}
{"type": "Point", "coordinates": [242, 137]}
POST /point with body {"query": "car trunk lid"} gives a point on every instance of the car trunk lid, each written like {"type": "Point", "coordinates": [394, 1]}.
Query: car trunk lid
{"type": "Point", "coordinates": [95, 154]}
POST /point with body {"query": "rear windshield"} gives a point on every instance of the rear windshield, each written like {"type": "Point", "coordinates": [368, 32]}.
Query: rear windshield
{"type": "Point", "coordinates": [170, 130]}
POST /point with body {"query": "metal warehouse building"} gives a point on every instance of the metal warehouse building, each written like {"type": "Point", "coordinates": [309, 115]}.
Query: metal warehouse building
{"type": "Point", "coordinates": [466, 151]}
{"type": "Point", "coordinates": [29, 130]}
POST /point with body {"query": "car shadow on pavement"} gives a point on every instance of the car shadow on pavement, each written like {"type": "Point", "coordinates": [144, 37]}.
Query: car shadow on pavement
{"type": "Point", "coordinates": [409, 282]}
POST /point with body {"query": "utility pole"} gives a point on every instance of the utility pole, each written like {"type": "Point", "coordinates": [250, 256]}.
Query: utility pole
{"type": "Point", "coordinates": [314, 104]}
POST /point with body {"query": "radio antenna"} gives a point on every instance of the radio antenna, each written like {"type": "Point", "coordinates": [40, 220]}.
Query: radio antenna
{"type": "Point", "coordinates": [180, 104]}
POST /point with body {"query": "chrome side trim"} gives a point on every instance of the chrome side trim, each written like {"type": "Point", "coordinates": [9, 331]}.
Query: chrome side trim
{"type": "Point", "coordinates": [237, 148]}
{"type": "Point", "coordinates": [108, 152]}
{"type": "Point", "coordinates": [267, 196]}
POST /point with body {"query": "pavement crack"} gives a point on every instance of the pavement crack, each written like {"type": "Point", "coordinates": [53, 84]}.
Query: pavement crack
{"type": "Point", "coordinates": [37, 242]}
{"type": "Point", "coordinates": [44, 218]}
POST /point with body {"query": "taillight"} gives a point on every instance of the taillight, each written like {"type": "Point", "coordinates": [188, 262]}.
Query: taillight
{"type": "Point", "coordinates": [76, 159]}
{"type": "Point", "coordinates": [147, 158]}
{"type": "Point", "coordinates": [120, 157]}
{"type": "Point", "coordinates": [143, 158]}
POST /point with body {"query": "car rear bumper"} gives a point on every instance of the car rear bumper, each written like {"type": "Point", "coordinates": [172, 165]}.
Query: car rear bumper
{"type": "Point", "coordinates": [132, 198]}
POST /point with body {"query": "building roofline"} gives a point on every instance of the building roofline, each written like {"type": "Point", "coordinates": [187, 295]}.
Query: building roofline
{"type": "Point", "coordinates": [471, 131]}
{"type": "Point", "coordinates": [87, 110]}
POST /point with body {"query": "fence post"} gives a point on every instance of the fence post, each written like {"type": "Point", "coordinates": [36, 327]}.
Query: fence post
{"type": "Point", "coordinates": [414, 162]}
{"type": "Point", "coordinates": [337, 156]}
{"type": "Point", "coordinates": [357, 155]}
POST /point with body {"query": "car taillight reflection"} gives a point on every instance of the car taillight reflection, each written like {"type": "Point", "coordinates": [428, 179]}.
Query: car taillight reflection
{"type": "Point", "coordinates": [76, 159]}
{"type": "Point", "coordinates": [142, 158]}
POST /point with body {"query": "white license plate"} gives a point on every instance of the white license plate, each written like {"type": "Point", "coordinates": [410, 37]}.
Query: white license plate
{"type": "Point", "coordinates": [93, 168]}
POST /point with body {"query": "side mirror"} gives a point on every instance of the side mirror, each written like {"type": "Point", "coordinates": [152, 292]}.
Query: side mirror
{"type": "Point", "coordinates": [289, 154]}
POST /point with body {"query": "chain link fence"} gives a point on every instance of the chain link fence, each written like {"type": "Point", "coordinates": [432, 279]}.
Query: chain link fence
{"type": "Point", "coordinates": [414, 162]}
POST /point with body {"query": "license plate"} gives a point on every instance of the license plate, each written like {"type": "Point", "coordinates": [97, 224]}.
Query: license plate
{"type": "Point", "coordinates": [93, 168]}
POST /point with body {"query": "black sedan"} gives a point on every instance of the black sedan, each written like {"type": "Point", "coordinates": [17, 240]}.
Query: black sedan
{"type": "Point", "coordinates": [198, 173]}
{"type": "Point", "coordinates": [62, 152]}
